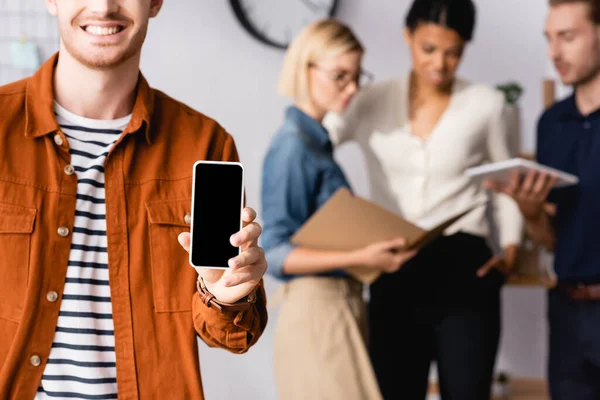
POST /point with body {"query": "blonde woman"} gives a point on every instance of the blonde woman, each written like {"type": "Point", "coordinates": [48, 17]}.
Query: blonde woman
{"type": "Point", "coordinates": [320, 350]}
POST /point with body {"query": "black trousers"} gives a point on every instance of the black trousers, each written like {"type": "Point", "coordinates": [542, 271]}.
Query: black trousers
{"type": "Point", "coordinates": [436, 308]}
{"type": "Point", "coordinates": [574, 362]}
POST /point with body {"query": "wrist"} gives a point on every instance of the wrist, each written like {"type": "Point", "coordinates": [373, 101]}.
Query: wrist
{"type": "Point", "coordinates": [536, 217]}
{"type": "Point", "coordinates": [511, 254]}
{"type": "Point", "coordinates": [354, 259]}
{"type": "Point", "coordinates": [211, 301]}
{"type": "Point", "coordinates": [536, 224]}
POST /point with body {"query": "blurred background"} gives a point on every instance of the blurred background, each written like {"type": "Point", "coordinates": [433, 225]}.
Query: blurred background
{"type": "Point", "coordinates": [198, 52]}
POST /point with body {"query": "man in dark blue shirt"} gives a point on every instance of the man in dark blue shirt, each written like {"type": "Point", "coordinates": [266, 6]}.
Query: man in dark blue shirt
{"type": "Point", "coordinates": [569, 140]}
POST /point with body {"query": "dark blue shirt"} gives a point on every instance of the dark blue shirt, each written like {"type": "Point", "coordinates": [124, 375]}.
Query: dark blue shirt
{"type": "Point", "coordinates": [299, 176]}
{"type": "Point", "coordinates": [570, 141]}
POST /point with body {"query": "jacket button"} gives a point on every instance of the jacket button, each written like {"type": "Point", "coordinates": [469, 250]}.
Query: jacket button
{"type": "Point", "coordinates": [52, 296]}
{"type": "Point", "coordinates": [58, 140]}
{"type": "Point", "coordinates": [63, 231]}
{"type": "Point", "coordinates": [69, 170]}
{"type": "Point", "coordinates": [187, 219]}
{"type": "Point", "coordinates": [35, 360]}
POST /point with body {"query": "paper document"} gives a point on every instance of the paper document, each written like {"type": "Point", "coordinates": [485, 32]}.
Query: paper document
{"type": "Point", "coordinates": [348, 222]}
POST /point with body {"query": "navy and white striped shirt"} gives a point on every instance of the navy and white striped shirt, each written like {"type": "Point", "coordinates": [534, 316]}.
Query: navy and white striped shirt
{"type": "Point", "coordinates": [82, 362]}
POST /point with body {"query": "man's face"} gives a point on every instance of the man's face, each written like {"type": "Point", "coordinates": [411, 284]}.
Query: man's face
{"type": "Point", "coordinates": [573, 42]}
{"type": "Point", "coordinates": [103, 34]}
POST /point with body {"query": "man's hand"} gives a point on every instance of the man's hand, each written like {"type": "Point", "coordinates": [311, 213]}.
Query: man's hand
{"type": "Point", "coordinates": [246, 270]}
{"type": "Point", "coordinates": [504, 264]}
{"type": "Point", "coordinates": [530, 195]}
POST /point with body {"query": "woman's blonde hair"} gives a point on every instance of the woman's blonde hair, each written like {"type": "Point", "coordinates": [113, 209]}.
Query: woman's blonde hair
{"type": "Point", "coordinates": [327, 37]}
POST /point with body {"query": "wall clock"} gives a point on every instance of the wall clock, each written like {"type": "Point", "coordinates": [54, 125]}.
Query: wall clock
{"type": "Point", "coordinates": [276, 22]}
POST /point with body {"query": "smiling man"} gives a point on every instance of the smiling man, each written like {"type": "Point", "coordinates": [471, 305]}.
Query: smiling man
{"type": "Point", "coordinates": [98, 298]}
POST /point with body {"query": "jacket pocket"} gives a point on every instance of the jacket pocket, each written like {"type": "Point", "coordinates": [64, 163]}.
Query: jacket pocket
{"type": "Point", "coordinates": [16, 227]}
{"type": "Point", "coordinates": [173, 278]}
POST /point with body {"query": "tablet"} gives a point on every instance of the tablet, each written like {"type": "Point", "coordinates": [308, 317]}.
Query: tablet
{"type": "Point", "coordinates": [503, 170]}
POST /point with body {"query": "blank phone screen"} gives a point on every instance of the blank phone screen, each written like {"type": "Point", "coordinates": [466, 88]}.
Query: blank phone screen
{"type": "Point", "coordinates": [216, 212]}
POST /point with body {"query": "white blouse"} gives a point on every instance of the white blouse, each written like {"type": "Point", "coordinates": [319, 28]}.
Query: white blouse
{"type": "Point", "coordinates": [424, 179]}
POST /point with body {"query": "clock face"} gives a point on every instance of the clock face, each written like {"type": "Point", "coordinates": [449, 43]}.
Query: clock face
{"type": "Point", "coordinates": [277, 22]}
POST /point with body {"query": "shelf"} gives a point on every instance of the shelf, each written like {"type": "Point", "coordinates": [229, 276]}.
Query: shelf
{"type": "Point", "coordinates": [520, 389]}
{"type": "Point", "coordinates": [517, 280]}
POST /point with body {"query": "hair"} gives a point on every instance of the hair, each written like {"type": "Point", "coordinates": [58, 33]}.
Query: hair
{"type": "Point", "coordinates": [458, 15]}
{"type": "Point", "coordinates": [327, 37]}
{"type": "Point", "coordinates": [594, 7]}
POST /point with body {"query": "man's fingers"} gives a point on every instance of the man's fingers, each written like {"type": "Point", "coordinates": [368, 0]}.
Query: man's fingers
{"type": "Point", "coordinates": [552, 179]}
{"type": "Point", "coordinates": [528, 182]}
{"type": "Point", "coordinates": [513, 185]}
{"type": "Point", "coordinates": [540, 183]}
{"type": "Point", "coordinates": [243, 275]}
{"type": "Point", "coordinates": [248, 234]}
{"type": "Point", "coordinates": [493, 185]}
{"type": "Point", "coordinates": [238, 279]}
{"type": "Point", "coordinates": [248, 257]}
{"type": "Point", "coordinates": [184, 240]}
{"type": "Point", "coordinates": [248, 215]}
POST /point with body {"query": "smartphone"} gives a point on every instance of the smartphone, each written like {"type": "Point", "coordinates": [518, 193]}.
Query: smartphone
{"type": "Point", "coordinates": [217, 203]}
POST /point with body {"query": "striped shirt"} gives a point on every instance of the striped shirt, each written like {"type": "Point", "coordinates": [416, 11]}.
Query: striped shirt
{"type": "Point", "coordinates": [82, 361]}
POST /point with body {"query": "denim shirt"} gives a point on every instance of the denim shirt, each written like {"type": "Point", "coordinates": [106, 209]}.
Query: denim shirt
{"type": "Point", "coordinates": [299, 176]}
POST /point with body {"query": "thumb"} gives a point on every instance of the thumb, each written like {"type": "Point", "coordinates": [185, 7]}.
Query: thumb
{"type": "Point", "coordinates": [209, 275]}
{"type": "Point", "coordinates": [493, 185]}
{"type": "Point", "coordinates": [184, 240]}
{"type": "Point", "coordinates": [483, 271]}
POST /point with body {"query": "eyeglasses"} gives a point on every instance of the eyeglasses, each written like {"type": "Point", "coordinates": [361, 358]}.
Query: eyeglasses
{"type": "Point", "coordinates": [343, 77]}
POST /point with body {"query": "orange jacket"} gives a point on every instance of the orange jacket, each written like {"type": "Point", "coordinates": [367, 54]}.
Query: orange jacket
{"type": "Point", "coordinates": [156, 310]}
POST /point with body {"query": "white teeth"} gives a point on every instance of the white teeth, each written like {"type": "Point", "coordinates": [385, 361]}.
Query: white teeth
{"type": "Point", "coordinates": [101, 31]}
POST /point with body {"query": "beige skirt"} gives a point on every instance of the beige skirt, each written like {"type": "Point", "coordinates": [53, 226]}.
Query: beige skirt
{"type": "Point", "coordinates": [320, 351]}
